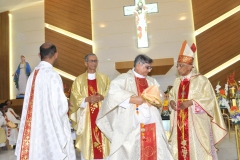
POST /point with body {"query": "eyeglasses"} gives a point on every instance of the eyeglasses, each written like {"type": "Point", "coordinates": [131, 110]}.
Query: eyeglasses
{"type": "Point", "coordinates": [181, 65]}
{"type": "Point", "coordinates": [148, 68]}
{"type": "Point", "coordinates": [91, 61]}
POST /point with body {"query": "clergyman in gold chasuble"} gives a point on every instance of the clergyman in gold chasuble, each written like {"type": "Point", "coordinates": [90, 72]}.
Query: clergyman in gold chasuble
{"type": "Point", "coordinates": [87, 93]}
{"type": "Point", "coordinates": [196, 121]}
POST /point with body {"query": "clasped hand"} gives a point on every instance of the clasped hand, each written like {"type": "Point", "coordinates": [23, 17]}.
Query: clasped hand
{"type": "Point", "coordinates": [182, 105]}
{"type": "Point", "coordinates": [95, 98]}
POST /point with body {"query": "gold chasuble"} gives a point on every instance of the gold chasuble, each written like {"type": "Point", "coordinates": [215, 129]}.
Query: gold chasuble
{"type": "Point", "coordinates": [90, 140]}
{"type": "Point", "coordinates": [148, 131]}
{"type": "Point", "coordinates": [3, 136]}
{"type": "Point", "coordinates": [197, 129]}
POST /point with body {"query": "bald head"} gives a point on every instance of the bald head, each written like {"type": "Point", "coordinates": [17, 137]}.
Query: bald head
{"type": "Point", "coordinates": [47, 50]}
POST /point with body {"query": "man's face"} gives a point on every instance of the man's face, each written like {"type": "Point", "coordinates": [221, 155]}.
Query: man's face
{"type": "Point", "coordinates": [8, 103]}
{"type": "Point", "coordinates": [5, 108]}
{"type": "Point", "coordinates": [92, 63]}
{"type": "Point", "coordinates": [184, 69]}
{"type": "Point", "coordinates": [143, 69]}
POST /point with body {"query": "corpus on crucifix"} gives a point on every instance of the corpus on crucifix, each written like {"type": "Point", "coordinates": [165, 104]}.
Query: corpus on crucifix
{"type": "Point", "coordinates": [140, 10]}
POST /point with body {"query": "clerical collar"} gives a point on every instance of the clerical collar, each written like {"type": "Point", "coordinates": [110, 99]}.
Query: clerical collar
{"type": "Point", "coordinates": [187, 76]}
{"type": "Point", "coordinates": [138, 75]}
{"type": "Point", "coordinates": [91, 76]}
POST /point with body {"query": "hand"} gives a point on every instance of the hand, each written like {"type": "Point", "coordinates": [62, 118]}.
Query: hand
{"type": "Point", "coordinates": [185, 104]}
{"type": "Point", "coordinates": [101, 97]}
{"type": "Point", "coordinates": [94, 98]}
{"type": "Point", "coordinates": [13, 74]}
{"type": "Point", "coordinates": [173, 105]}
{"type": "Point", "coordinates": [137, 100]}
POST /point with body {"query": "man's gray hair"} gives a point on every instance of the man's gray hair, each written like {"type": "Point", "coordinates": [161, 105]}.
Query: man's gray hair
{"type": "Point", "coordinates": [86, 57]}
{"type": "Point", "coordinates": [141, 59]}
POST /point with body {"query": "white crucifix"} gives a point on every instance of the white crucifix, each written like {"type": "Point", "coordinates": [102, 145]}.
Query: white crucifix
{"type": "Point", "coordinates": [140, 10]}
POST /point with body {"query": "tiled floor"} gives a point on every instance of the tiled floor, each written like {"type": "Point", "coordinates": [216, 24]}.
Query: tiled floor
{"type": "Point", "coordinates": [227, 150]}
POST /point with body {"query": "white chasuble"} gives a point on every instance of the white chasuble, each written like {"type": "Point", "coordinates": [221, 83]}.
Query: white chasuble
{"type": "Point", "coordinates": [44, 132]}
{"type": "Point", "coordinates": [122, 127]}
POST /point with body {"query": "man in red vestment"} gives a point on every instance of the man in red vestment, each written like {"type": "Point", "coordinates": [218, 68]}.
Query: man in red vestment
{"type": "Point", "coordinates": [134, 128]}
{"type": "Point", "coordinates": [196, 121]}
{"type": "Point", "coordinates": [87, 93]}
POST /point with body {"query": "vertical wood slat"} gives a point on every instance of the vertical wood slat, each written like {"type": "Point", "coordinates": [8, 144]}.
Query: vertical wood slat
{"type": "Point", "coordinates": [205, 11]}
{"type": "Point", "coordinates": [219, 43]}
{"type": "Point", "coordinates": [4, 54]}
{"type": "Point", "coordinates": [73, 16]}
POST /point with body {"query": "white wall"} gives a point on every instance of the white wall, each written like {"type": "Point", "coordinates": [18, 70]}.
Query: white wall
{"type": "Point", "coordinates": [117, 40]}
{"type": "Point", "coordinates": [27, 36]}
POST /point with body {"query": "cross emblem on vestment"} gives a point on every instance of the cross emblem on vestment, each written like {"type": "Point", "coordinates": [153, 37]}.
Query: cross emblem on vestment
{"type": "Point", "coordinates": [140, 10]}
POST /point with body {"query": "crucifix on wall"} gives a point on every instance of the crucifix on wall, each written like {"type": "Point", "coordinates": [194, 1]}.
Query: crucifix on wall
{"type": "Point", "coordinates": [140, 10]}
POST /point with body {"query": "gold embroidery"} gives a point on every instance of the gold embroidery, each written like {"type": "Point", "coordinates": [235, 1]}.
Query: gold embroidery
{"type": "Point", "coordinates": [97, 144]}
{"type": "Point", "coordinates": [93, 106]}
{"type": "Point", "coordinates": [148, 151]}
{"type": "Point", "coordinates": [24, 153]}
{"type": "Point", "coordinates": [185, 59]}
{"type": "Point", "coordinates": [183, 117]}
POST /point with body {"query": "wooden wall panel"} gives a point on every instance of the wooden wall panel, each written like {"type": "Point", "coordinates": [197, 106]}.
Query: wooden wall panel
{"type": "Point", "coordinates": [71, 52]}
{"type": "Point", "coordinates": [222, 76]}
{"type": "Point", "coordinates": [4, 54]}
{"type": "Point", "coordinates": [219, 44]}
{"type": "Point", "coordinates": [73, 16]}
{"type": "Point", "coordinates": [206, 11]}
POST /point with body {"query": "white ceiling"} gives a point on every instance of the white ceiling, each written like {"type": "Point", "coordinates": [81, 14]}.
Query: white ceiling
{"type": "Point", "coordinates": [8, 5]}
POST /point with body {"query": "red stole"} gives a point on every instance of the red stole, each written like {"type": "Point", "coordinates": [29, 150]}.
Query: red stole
{"type": "Point", "coordinates": [8, 128]}
{"type": "Point", "coordinates": [96, 133]}
{"type": "Point", "coordinates": [24, 153]}
{"type": "Point", "coordinates": [147, 131]}
{"type": "Point", "coordinates": [182, 123]}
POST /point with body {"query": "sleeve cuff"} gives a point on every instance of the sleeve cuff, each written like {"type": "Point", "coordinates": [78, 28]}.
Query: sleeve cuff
{"type": "Point", "coordinates": [125, 103]}
{"type": "Point", "coordinates": [197, 109]}
{"type": "Point", "coordinates": [83, 104]}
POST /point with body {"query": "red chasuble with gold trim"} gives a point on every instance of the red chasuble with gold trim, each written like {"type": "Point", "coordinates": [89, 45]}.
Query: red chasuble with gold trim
{"type": "Point", "coordinates": [24, 153]}
{"type": "Point", "coordinates": [96, 133]}
{"type": "Point", "coordinates": [182, 122]}
{"type": "Point", "coordinates": [147, 131]}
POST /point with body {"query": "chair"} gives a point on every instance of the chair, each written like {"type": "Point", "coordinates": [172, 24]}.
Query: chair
{"type": "Point", "coordinates": [227, 121]}
{"type": "Point", "coordinates": [237, 132]}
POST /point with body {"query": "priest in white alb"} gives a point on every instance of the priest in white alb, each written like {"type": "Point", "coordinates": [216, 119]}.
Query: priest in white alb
{"type": "Point", "coordinates": [44, 132]}
{"type": "Point", "coordinates": [12, 124]}
{"type": "Point", "coordinates": [129, 118]}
